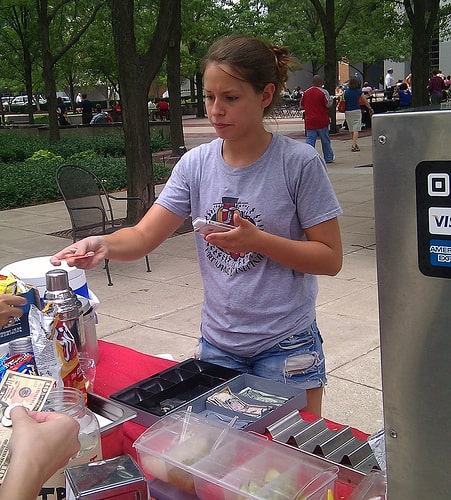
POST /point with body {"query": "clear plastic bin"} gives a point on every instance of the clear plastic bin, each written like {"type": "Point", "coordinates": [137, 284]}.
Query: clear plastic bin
{"type": "Point", "coordinates": [216, 462]}
{"type": "Point", "coordinates": [238, 450]}
{"type": "Point", "coordinates": [277, 474]}
{"type": "Point", "coordinates": [169, 448]}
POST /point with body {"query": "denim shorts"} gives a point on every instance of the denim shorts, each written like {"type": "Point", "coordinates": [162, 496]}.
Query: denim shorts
{"type": "Point", "coordinates": [299, 359]}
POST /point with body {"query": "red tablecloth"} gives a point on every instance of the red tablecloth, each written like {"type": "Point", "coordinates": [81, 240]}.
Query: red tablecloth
{"type": "Point", "coordinates": [120, 367]}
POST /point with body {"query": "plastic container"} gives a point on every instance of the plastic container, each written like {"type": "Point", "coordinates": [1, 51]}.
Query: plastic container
{"type": "Point", "coordinates": [169, 448]}
{"type": "Point", "coordinates": [89, 343]}
{"type": "Point", "coordinates": [218, 464]}
{"type": "Point", "coordinates": [274, 474]}
{"type": "Point", "coordinates": [20, 346]}
{"type": "Point", "coordinates": [70, 401]}
{"type": "Point", "coordinates": [213, 461]}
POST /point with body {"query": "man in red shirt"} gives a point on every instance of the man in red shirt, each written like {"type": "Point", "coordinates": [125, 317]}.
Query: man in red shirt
{"type": "Point", "coordinates": [436, 86]}
{"type": "Point", "coordinates": [163, 109]}
{"type": "Point", "coordinates": [316, 102]}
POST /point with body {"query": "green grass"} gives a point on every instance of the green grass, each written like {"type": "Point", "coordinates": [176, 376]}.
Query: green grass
{"type": "Point", "coordinates": [28, 165]}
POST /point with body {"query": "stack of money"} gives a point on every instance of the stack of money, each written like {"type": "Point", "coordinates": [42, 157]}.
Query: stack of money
{"type": "Point", "coordinates": [28, 390]}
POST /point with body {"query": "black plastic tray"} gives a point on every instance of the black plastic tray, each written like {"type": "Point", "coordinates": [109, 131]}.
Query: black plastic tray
{"type": "Point", "coordinates": [174, 387]}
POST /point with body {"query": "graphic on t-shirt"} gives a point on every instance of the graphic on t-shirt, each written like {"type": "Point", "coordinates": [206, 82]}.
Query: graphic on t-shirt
{"type": "Point", "coordinates": [231, 262]}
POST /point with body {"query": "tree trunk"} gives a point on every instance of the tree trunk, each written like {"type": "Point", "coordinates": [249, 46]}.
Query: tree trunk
{"type": "Point", "coordinates": [47, 68]}
{"type": "Point", "coordinates": [28, 69]}
{"type": "Point", "coordinates": [140, 180]}
{"type": "Point", "coordinates": [136, 72]}
{"type": "Point", "coordinates": [330, 66]}
{"type": "Point", "coordinates": [173, 66]}
{"type": "Point", "coordinates": [331, 29]}
{"type": "Point", "coordinates": [422, 16]}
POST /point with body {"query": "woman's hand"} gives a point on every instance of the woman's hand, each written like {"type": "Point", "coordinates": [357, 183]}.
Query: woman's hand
{"type": "Point", "coordinates": [242, 239]}
{"type": "Point", "coordinates": [321, 253]}
{"type": "Point", "coordinates": [84, 254]}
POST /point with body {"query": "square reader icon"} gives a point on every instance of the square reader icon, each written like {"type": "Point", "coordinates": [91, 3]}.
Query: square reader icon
{"type": "Point", "coordinates": [438, 184]}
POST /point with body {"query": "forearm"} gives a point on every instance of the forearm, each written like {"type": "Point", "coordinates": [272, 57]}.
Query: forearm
{"type": "Point", "coordinates": [135, 242]}
{"type": "Point", "coordinates": [23, 480]}
{"type": "Point", "coordinates": [312, 257]}
{"type": "Point", "coordinates": [320, 253]}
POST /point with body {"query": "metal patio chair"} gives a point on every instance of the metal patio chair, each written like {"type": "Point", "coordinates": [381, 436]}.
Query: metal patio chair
{"type": "Point", "coordinates": [89, 206]}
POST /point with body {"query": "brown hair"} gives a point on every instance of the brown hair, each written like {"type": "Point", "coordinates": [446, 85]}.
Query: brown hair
{"type": "Point", "coordinates": [256, 61]}
{"type": "Point", "coordinates": [354, 83]}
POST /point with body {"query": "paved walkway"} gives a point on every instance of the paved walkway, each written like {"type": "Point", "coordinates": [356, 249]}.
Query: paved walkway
{"type": "Point", "coordinates": [158, 312]}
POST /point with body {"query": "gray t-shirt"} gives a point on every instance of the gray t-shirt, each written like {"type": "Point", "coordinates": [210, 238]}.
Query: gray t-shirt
{"type": "Point", "coordinates": [251, 302]}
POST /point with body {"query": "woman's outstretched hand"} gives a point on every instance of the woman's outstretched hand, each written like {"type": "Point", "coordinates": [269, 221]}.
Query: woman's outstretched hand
{"type": "Point", "coordinates": [84, 254]}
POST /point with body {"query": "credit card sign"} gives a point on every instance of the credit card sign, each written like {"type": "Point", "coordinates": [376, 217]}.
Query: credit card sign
{"type": "Point", "coordinates": [433, 200]}
{"type": "Point", "coordinates": [440, 220]}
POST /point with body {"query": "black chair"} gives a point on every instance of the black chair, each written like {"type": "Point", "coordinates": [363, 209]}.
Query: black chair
{"type": "Point", "coordinates": [89, 205]}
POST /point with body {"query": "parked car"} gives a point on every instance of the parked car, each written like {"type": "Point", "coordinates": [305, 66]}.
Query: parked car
{"type": "Point", "coordinates": [6, 101]}
{"type": "Point", "coordinates": [20, 104]}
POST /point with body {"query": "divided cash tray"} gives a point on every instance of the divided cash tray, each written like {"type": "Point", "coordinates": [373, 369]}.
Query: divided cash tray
{"type": "Point", "coordinates": [195, 383]}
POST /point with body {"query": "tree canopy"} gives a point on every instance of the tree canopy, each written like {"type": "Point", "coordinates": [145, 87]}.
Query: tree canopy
{"type": "Point", "coordinates": [126, 44]}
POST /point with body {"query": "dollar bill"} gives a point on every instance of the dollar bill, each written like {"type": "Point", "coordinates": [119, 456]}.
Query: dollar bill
{"type": "Point", "coordinates": [263, 397]}
{"type": "Point", "coordinates": [225, 398]}
{"type": "Point", "coordinates": [32, 392]}
{"type": "Point", "coordinates": [29, 390]}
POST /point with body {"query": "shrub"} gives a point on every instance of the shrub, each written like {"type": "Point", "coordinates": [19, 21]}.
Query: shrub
{"type": "Point", "coordinates": [15, 147]}
{"type": "Point", "coordinates": [30, 182]}
{"type": "Point", "coordinates": [43, 154]}
{"type": "Point", "coordinates": [29, 165]}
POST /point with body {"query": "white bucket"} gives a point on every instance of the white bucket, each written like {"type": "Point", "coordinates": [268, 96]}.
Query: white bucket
{"type": "Point", "coordinates": [32, 271]}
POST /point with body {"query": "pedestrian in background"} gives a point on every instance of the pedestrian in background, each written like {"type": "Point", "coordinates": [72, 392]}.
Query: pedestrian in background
{"type": "Point", "coordinates": [404, 95]}
{"type": "Point", "coordinates": [85, 107]}
{"type": "Point", "coordinates": [100, 117]}
{"type": "Point", "coordinates": [436, 86]}
{"type": "Point", "coordinates": [316, 102]}
{"type": "Point", "coordinates": [354, 98]}
{"type": "Point", "coordinates": [390, 83]}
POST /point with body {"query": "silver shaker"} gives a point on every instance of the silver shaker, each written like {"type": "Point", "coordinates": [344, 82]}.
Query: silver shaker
{"type": "Point", "coordinates": [63, 301]}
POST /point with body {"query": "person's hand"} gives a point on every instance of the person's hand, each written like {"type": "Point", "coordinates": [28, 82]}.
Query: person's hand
{"type": "Point", "coordinates": [84, 254]}
{"type": "Point", "coordinates": [242, 239]}
{"type": "Point", "coordinates": [50, 438]}
{"type": "Point", "coordinates": [9, 310]}
{"type": "Point", "coordinates": [41, 443]}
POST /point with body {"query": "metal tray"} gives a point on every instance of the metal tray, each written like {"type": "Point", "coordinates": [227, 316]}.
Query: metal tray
{"type": "Point", "coordinates": [112, 413]}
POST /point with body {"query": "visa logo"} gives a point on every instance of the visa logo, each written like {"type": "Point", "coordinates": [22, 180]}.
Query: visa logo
{"type": "Point", "coordinates": [440, 220]}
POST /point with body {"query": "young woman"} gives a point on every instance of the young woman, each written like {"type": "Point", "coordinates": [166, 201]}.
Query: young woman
{"type": "Point", "coordinates": [354, 98]}
{"type": "Point", "coordinates": [259, 278]}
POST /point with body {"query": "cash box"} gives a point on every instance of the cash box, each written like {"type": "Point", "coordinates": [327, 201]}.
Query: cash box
{"type": "Point", "coordinates": [210, 460]}
{"type": "Point", "coordinates": [214, 392]}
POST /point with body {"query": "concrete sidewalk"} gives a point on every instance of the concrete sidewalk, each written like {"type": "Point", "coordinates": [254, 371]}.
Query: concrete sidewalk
{"type": "Point", "coordinates": [159, 312]}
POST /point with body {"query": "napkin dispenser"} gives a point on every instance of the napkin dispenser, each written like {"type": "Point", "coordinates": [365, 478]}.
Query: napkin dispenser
{"type": "Point", "coordinates": [118, 477]}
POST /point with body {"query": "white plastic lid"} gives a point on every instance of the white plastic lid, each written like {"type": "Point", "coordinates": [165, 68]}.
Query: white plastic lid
{"type": "Point", "coordinates": [32, 271]}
